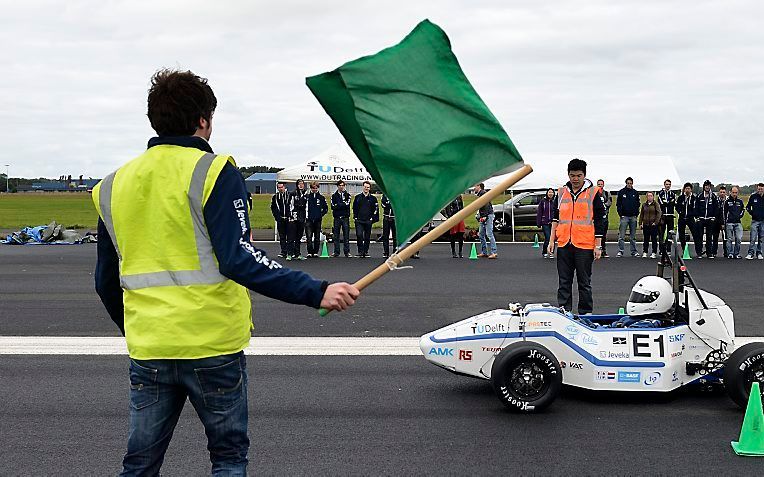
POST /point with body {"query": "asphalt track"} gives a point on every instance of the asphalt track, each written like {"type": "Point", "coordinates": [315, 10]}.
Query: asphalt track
{"type": "Point", "coordinates": [366, 416]}
{"type": "Point", "coordinates": [363, 415]}
{"type": "Point", "coordinates": [48, 290]}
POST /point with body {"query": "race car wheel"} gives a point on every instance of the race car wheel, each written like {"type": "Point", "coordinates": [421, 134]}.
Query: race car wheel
{"type": "Point", "coordinates": [526, 377]}
{"type": "Point", "coordinates": [745, 366]}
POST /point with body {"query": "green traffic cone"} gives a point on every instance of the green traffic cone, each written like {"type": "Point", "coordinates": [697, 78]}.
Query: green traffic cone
{"type": "Point", "coordinates": [473, 253]}
{"type": "Point", "coordinates": [324, 251]}
{"type": "Point", "coordinates": [686, 255]}
{"type": "Point", "coordinates": [751, 441]}
{"type": "Point", "coordinates": [621, 311]}
{"type": "Point", "coordinates": [536, 241]}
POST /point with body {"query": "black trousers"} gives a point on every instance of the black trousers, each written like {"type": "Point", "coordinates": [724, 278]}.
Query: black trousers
{"type": "Point", "coordinates": [313, 231]}
{"type": "Point", "coordinates": [650, 233]}
{"type": "Point", "coordinates": [720, 231]}
{"type": "Point", "coordinates": [707, 229]}
{"type": "Point", "coordinates": [457, 237]}
{"type": "Point", "coordinates": [667, 223]}
{"type": "Point", "coordinates": [282, 227]}
{"type": "Point", "coordinates": [682, 233]}
{"type": "Point", "coordinates": [576, 260]}
{"type": "Point", "coordinates": [363, 237]}
{"type": "Point", "coordinates": [341, 223]}
{"type": "Point", "coordinates": [296, 231]}
{"type": "Point", "coordinates": [388, 228]}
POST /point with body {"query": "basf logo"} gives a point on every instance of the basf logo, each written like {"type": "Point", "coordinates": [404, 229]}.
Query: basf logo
{"type": "Point", "coordinates": [629, 376]}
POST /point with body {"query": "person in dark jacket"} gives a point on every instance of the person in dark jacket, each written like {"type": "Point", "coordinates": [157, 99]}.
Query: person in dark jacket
{"type": "Point", "coordinates": [607, 201]}
{"type": "Point", "coordinates": [755, 207]}
{"type": "Point", "coordinates": [544, 217]}
{"type": "Point", "coordinates": [456, 233]}
{"type": "Point", "coordinates": [706, 211]}
{"type": "Point", "coordinates": [341, 213]}
{"type": "Point", "coordinates": [317, 208]}
{"type": "Point", "coordinates": [685, 207]}
{"type": "Point", "coordinates": [720, 231]}
{"type": "Point", "coordinates": [734, 209]}
{"type": "Point", "coordinates": [485, 218]}
{"type": "Point", "coordinates": [365, 213]}
{"type": "Point", "coordinates": [666, 198]}
{"type": "Point", "coordinates": [280, 212]}
{"type": "Point", "coordinates": [628, 206]}
{"type": "Point", "coordinates": [388, 226]}
{"type": "Point", "coordinates": [649, 218]}
{"type": "Point", "coordinates": [298, 206]}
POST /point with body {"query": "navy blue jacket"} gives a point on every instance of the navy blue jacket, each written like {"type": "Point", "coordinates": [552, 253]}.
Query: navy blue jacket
{"type": "Point", "coordinates": [487, 209]}
{"type": "Point", "coordinates": [667, 200]}
{"type": "Point", "coordinates": [685, 206]}
{"type": "Point", "coordinates": [706, 207]}
{"type": "Point", "coordinates": [365, 209]}
{"type": "Point", "coordinates": [755, 207]}
{"type": "Point", "coordinates": [341, 204]}
{"type": "Point", "coordinates": [627, 204]}
{"type": "Point", "coordinates": [387, 209]}
{"type": "Point", "coordinates": [733, 210]}
{"type": "Point", "coordinates": [280, 206]}
{"type": "Point", "coordinates": [239, 260]}
{"type": "Point", "coordinates": [317, 207]}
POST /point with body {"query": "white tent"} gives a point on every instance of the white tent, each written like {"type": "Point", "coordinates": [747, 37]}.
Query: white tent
{"type": "Point", "coordinates": [648, 172]}
{"type": "Point", "coordinates": [335, 163]}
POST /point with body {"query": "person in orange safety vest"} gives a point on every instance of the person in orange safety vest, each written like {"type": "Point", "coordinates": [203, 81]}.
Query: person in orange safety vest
{"type": "Point", "coordinates": [578, 226]}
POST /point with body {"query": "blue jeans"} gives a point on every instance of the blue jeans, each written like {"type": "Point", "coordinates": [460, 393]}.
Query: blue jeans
{"type": "Point", "coordinates": [216, 387]}
{"type": "Point", "coordinates": [486, 229]}
{"type": "Point", "coordinates": [734, 237]}
{"type": "Point", "coordinates": [547, 229]}
{"type": "Point", "coordinates": [631, 222]}
{"type": "Point", "coordinates": [757, 237]}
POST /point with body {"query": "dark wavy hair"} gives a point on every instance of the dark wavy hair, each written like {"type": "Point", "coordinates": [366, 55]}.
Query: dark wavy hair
{"type": "Point", "coordinates": [177, 99]}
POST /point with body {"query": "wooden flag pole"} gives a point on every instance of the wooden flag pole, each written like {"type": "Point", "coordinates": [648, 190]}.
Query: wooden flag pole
{"type": "Point", "coordinates": [398, 258]}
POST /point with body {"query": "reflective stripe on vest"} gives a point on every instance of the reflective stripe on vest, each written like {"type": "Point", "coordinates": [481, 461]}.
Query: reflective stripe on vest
{"type": "Point", "coordinates": [579, 232]}
{"type": "Point", "coordinates": [208, 272]}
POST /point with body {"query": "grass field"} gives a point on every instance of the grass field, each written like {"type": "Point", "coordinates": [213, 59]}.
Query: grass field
{"type": "Point", "coordinates": [76, 210]}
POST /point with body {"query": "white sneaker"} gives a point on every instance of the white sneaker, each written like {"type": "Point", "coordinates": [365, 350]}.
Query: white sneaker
{"type": "Point", "coordinates": [551, 255]}
{"type": "Point", "coordinates": [760, 257]}
{"type": "Point", "coordinates": [619, 255]}
{"type": "Point", "coordinates": [644, 254]}
{"type": "Point", "coordinates": [652, 255]}
{"type": "Point", "coordinates": [749, 257]}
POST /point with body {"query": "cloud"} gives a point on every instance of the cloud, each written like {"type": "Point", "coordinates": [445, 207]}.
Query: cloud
{"type": "Point", "coordinates": [677, 78]}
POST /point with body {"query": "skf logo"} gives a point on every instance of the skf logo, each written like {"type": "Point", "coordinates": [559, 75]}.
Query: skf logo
{"type": "Point", "coordinates": [238, 203]}
{"type": "Point", "coordinates": [465, 355]}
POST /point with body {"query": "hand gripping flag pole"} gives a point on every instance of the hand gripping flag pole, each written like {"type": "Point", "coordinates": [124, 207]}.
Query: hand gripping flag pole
{"type": "Point", "coordinates": [396, 259]}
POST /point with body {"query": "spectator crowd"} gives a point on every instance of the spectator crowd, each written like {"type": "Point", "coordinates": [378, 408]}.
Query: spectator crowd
{"type": "Point", "coordinates": [712, 220]}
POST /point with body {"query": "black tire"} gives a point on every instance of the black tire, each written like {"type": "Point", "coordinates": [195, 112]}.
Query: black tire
{"type": "Point", "coordinates": [745, 366]}
{"type": "Point", "coordinates": [526, 377]}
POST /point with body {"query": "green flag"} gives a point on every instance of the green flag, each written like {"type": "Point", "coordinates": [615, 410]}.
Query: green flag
{"type": "Point", "coordinates": [417, 124]}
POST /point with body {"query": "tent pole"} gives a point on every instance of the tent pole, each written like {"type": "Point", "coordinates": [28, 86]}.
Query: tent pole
{"type": "Point", "coordinates": [511, 196]}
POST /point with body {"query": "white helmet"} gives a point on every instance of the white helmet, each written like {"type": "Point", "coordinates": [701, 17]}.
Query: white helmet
{"type": "Point", "coordinates": [650, 295]}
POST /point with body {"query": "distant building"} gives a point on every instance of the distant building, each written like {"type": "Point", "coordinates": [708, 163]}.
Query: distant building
{"type": "Point", "coordinates": [68, 185]}
{"type": "Point", "coordinates": [262, 183]}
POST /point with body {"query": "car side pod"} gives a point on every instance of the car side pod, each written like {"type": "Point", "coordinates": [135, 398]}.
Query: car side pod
{"type": "Point", "coordinates": [751, 441]}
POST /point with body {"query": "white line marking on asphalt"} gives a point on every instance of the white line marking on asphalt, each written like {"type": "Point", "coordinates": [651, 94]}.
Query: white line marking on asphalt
{"type": "Point", "coordinates": [258, 346]}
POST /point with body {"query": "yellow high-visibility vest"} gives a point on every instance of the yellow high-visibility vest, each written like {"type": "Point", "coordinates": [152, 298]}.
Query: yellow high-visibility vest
{"type": "Point", "coordinates": [177, 304]}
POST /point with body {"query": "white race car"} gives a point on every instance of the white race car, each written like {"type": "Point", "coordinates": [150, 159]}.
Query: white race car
{"type": "Point", "coordinates": [528, 352]}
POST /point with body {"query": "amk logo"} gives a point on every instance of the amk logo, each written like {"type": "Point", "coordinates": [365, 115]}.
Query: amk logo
{"type": "Point", "coordinates": [441, 351]}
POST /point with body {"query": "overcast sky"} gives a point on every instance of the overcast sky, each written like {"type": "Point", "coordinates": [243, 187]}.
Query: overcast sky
{"type": "Point", "coordinates": [679, 78]}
